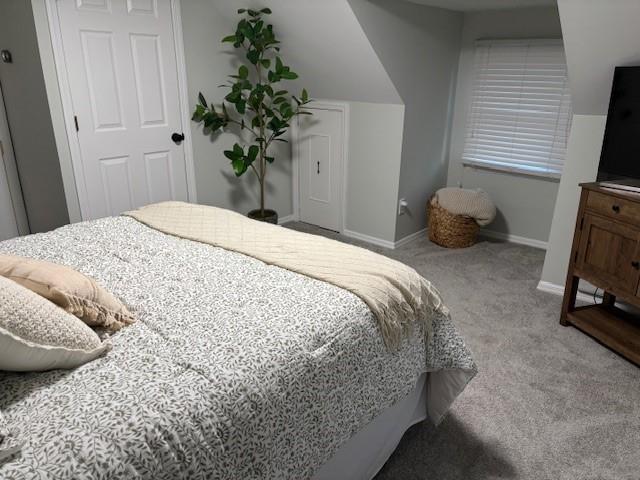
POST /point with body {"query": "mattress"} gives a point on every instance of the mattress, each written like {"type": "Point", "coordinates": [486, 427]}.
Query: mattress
{"type": "Point", "coordinates": [235, 369]}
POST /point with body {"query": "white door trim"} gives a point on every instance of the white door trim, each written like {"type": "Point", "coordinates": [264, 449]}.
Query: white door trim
{"type": "Point", "coordinates": [11, 170]}
{"type": "Point", "coordinates": [67, 104]}
{"type": "Point", "coordinates": [343, 108]}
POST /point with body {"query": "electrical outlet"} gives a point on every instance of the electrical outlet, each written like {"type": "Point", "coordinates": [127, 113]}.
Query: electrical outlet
{"type": "Point", "coordinates": [402, 206]}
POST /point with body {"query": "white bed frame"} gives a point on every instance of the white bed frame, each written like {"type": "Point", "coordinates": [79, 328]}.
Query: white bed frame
{"type": "Point", "coordinates": [362, 457]}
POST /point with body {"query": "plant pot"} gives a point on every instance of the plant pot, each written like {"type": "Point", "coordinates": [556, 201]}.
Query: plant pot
{"type": "Point", "coordinates": [270, 216]}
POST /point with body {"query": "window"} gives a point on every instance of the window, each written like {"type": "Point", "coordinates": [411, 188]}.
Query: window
{"type": "Point", "coordinates": [520, 111]}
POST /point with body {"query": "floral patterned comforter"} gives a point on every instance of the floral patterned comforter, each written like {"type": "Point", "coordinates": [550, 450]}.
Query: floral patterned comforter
{"type": "Point", "coordinates": [235, 369]}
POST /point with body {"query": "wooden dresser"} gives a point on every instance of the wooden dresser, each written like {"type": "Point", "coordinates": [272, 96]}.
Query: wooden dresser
{"type": "Point", "coordinates": [606, 253]}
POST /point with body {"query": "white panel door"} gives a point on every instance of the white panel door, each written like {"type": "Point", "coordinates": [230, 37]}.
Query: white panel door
{"type": "Point", "coordinates": [122, 71]}
{"type": "Point", "coordinates": [320, 157]}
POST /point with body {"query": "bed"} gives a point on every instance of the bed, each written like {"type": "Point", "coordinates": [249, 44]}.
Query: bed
{"type": "Point", "coordinates": [234, 370]}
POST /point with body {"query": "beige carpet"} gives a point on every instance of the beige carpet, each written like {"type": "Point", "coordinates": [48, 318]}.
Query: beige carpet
{"type": "Point", "coordinates": [549, 402]}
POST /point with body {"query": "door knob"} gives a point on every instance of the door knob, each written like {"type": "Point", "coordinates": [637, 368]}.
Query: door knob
{"type": "Point", "coordinates": [177, 138]}
{"type": "Point", "coordinates": [616, 208]}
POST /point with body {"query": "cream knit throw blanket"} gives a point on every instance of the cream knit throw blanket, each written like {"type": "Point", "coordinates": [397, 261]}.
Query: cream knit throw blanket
{"type": "Point", "coordinates": [396, 294]}
{"type": "Point", "coordinates": [470, 203]}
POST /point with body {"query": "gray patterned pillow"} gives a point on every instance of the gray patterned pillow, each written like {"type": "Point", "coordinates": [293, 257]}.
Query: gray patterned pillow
{"type": "Point", "coordinates": [37, 335]}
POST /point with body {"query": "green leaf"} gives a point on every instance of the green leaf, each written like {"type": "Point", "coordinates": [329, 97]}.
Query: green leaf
{"type": "Point", "coordinates": [238, 150]}
{"type": "Point", "coordinates": [305, 95]}
{"type": "Point", "coordinates": [230, 155]}
{"type": "Point", "coordinates": [289, 75]}
{"type": "Point", "coordinates": [266, 10]}
{"type": "Point", "coordinates": [273, 77]}
{"type": "Point", "coordinates": [284, 108]}
{"type": "Point", "coordinates": [239, 166]}
{"type": "Point", "coordinates": [279, 65]}
{"type": "Point", "coordinates": [269, 159]}
{"type": "Point", "coordinates": [241, 10]}
{"type": "Point", "coordinates": [266, 63]}
{"type": "Point", "coordinates": [198, 113]}
{"type": "Point", "coordinates": [201, 99]}
{"type": "Point", "coordinates": [230, 39]}
{"type": "Point", "coordinates": [241, 106]}
{"type": "Point", "coordinates": [252, 154]}
{"type": "Point", "coordinates": [208, 119]}
{"type": "Point", "coordinates": [243, 72]}
{"type": "Point", "coordinates": [253, 13]}
{"type": "Point", "coordinates": [253, 56]}
{"type": "Point", "coordinates": [233, 97]}
{"type": "Point", "coordinates": [279, 100]}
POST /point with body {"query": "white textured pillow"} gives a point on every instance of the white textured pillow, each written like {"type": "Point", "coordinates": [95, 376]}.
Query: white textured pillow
{"type": "Point", "coordinates": [37, 335]}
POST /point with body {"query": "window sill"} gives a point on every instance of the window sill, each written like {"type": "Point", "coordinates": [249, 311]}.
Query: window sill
{"type": "Point", "coordinates": [550, 176]}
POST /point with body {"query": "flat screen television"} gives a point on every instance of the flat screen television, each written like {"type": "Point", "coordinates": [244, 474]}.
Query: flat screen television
{"type": "Point", "coordinates": [620, 158]}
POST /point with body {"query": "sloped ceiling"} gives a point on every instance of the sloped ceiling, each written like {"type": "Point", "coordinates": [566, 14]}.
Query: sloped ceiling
{"type": "Point", "coordinates": [476, 5]}
{"type": "Point", "coordinates": [598, 35]}
{"type": "Point", "coordinates": [322, 41]}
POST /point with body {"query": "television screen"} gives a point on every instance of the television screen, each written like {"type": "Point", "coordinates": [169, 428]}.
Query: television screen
{"type": "Point", "coordinates": [620, 159]}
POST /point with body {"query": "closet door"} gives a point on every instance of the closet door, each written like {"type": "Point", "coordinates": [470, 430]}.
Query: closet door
{"type": "Point", "coordinates": [120, 57]}
{"type": "Point", "coordinates": [321, 147]}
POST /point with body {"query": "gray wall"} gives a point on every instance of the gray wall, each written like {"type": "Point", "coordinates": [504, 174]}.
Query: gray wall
{"type": "Point", "coordinates": [525, 204]}
{"type": "Point", "coordinates": [328, 69]}
{"type": "Point", "coordinates": [597, 37]}
{"type": "Point", "coordinates": [373, 169]}
{"type": "Point", "coordinates": [374, 161]}
{"type": "Point", "coordinates": [418, 47]}
{"type": "Point", "coordinates": [29, 120]}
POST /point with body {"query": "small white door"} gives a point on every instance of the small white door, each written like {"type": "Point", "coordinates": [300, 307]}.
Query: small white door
{"type": "Point", "coordinates": [13, 219]}
{"type": "Point", "coordinates": [320, 172]}
{"type": "Point", "coordinates": [122, 71]}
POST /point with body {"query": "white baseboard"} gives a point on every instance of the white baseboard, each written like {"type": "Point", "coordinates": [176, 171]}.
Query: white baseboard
{"type": "Point", "coordinates": [409, 238]}
{"type": "Point", "coordinates": [287, 219]}
{"type": "Point", "coordinates": [507, 237]}
{"type": "Point", "coordinates": [549, 287]}
{"type": "Point", "coordinates": [384, 243]}
{"type": "Point", "coordinates": [369, 239]}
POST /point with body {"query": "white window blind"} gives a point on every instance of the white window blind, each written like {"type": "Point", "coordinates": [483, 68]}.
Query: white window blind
{"type": "Point", "coordinates": [520, 112]}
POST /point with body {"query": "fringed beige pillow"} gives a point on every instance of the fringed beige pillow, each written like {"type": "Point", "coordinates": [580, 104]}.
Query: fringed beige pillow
{"type": "Point", "coordinates": [76, 293]}
{"type": "Point", "coordinates": [37, 335]}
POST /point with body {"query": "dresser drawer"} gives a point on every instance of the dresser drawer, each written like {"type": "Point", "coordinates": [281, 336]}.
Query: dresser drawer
{"type": "Point", "coordinates": [614, 207]}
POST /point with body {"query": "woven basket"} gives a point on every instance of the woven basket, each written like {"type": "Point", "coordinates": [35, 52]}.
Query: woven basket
{"type": "Point", "coordinates": [449, 230]}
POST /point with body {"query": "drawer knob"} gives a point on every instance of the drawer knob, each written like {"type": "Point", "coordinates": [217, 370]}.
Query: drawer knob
{"type": "Point", "coordinates": [636, 265]}
{"type": "Point", "coordinates": [616, 208]}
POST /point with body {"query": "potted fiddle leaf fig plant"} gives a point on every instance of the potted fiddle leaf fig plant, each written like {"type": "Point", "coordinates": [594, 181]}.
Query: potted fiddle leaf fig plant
{"type": "Point", "coordinates": [257, 103]}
